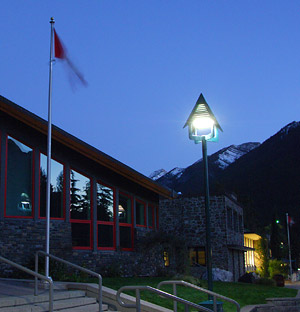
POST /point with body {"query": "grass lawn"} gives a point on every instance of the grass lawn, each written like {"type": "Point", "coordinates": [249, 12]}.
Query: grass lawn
{"type": "Point", "coordinates": [243, 293]}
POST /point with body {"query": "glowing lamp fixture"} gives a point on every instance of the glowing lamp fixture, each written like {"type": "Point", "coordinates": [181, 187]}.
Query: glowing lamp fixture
{"type": "Point", "coordinates": [202, 123]}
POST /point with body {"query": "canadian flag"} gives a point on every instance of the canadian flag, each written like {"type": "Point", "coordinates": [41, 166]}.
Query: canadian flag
{"type": "Point", "coordinates": [60, 52]}
{"type": "Point", "coordinates": [290, 220]}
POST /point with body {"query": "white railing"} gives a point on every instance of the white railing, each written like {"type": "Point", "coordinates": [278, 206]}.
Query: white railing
{"type": "Point", "coordinates": [137, 304]}
{"type": "Point", "coordinates": [36, 276]}
{"type": "Point", "coordinates": [208, 292]}
{"type": "Point", "coordinates": [75, 266]}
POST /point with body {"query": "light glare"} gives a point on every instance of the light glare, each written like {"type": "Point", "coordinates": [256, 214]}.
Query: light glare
{"type": "Point", "coordinates": [203, 123]}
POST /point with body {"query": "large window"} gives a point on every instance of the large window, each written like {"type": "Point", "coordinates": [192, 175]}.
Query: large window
{"type": "Point", "coordinates": [19, 179]}
{"type": "Point", "coordinates": [125, 221]}
{"type": "Point", "coordinates": [197, 256]}
{"type": "Point", "coordinates": [56, 188]}
{"type": "Point", "coordinates": [105, 217]}
{"type": "Point", "coordinates": [80, 210]}
{"type": "Point", "coordinates": [140, 213]}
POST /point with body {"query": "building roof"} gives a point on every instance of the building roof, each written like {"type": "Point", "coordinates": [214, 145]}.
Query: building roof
{"type": "Point", "coordinates": [81, 147]}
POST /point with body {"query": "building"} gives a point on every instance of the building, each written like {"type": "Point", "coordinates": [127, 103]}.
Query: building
{"type": "Point", "coordinates": [252, 259]}
{"type": "Point", "coordinates": [99, 206]}
{"type": "Point", "coordinates": [185, 218]}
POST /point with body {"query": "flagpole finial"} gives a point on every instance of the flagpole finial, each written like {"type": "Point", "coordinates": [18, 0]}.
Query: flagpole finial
{"type": "Point", "coordinates": [52, 21]}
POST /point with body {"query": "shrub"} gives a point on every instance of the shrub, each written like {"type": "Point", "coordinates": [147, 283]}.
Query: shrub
{"type": "Point", "coordinates": [263, 252]}
{"type": "Point", "coordinates": [265, 281]}
{"type": "Point", "coordinates": [277, 267]}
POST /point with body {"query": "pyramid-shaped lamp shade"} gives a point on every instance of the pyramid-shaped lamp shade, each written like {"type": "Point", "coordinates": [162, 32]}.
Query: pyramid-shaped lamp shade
{"type": "Point", "coordinates": [202, 122]}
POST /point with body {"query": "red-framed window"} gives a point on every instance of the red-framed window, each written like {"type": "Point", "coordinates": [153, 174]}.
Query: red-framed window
{"type": "Point", "coordinates": [125, 211]}
{"type": "Point", "coordinates": [151, 216]}
{"type": "Point", "coordinates": [80, 210]}
{"type": "Point", "coordinates": [140, 213]}
{"type": "Point", "coordinates": [106, 217]}
{"type": "Point", "coordinates": [19, 179]}
{"type": "Point", "coordinates": [57, 189]}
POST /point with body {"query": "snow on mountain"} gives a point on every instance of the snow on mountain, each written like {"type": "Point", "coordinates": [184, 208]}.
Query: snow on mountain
{"type": "Point", "coordinates": [230, 154]}
{"type": "Point", "coordinates": [163, 173]}
{"type": "Point", "coordinates": [157, 174]}
{"type": "Point", "coordinates": [222, 159]}
{"type": "Point", "coordinates": [176, 172]}
{"type": "Point", "coordinates": [284, 131]}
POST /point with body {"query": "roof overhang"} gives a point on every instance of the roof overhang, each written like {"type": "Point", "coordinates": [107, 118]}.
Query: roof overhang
{"type": "Point", "coordinates": [239, 247]}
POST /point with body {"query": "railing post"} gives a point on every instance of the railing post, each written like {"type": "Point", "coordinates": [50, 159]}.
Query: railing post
{"type": "Point", "coordinates": [175, 294]}
{"type": "Point", "coordinates": [50, 296]}
{"type": "Point", "coordinates": [186, 308]}
{"type": "Point", "coordinates": [36, 265]}
{"type": "Point", "coordinates": [100, 294]}
{"type": "Point", "coordinates": [215, 304]}
{"type": "Point", "coordinates": [138, 300]}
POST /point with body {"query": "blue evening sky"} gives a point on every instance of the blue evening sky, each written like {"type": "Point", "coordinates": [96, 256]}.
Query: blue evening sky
{"type": "Point", "coordinates": [146, 63]}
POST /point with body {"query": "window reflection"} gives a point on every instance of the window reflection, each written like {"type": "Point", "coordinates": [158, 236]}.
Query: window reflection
{"type": "Point", "coordinates": [105, 217]}
{"type": "Point", "coordinates": [140, 216]}
{"type": "Point", "coordinates": [125, 221]}
{"type": "Point", "coordinates": [105, 203]}
{"type": "Point", "coordinates": [56, 187]}
{"type": "Point", "coordinates": [19, 178]}
{"type": "Point", "coordinates": [80, 210]}
{"type": "Point", "coordinates": [124, 209]}
{"type": "Point", "coordinates": [80, 196]}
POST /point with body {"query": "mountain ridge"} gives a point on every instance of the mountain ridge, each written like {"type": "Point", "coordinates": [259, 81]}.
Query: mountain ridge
{"type": "Point", "coordinates": [265, 177]}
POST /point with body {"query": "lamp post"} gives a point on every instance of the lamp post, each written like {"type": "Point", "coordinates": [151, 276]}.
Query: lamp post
{"type": "Point", "coordinates": [203, 126]}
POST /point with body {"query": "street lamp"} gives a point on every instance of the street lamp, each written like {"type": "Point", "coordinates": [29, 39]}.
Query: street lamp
{"type": "Point", "coordinates": [203, 127]}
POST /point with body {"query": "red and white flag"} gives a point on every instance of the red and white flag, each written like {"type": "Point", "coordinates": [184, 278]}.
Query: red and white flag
{"type": "Point", "coordinates": [290, 220]}
{"type": "Point", "coordinates": [60, 52]}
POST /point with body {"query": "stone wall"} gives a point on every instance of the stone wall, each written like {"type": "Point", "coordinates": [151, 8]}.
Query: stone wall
{"type": "Point", "coordinates": [185, 217]}
{"type": "Point", "coordinates": [21, 238]}
{"type": "Point", "coordinates": [182, 218]}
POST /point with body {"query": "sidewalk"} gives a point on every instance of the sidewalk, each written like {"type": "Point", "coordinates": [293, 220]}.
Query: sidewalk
{"type": "Point", "coordinates": [295, 285]}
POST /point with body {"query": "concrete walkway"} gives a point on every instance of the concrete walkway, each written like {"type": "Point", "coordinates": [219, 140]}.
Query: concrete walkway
{"type": "Point", "coordinates": [9, 287]}
{"type": "Point", "coordinates": [18, 288]}
{"type": "Point", "coordinates": [295, 285]}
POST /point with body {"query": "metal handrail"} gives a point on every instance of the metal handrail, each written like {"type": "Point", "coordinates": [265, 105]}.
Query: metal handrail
{"type": "Point", "coordinates": [74, 266]}
{"type": "Point", "coordinates": [36, 276]}
{"type": "Point", "coordinates": [161, 293]}
{"type": "Point", "coordinates": [210, 293]}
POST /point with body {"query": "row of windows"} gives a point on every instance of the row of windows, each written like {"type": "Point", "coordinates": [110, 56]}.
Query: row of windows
{"type": "Point", "coordinates": [20, 193]}
{"type": "Point", "coordinates": [235, 223]}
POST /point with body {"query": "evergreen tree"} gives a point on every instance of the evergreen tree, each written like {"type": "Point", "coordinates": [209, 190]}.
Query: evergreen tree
{"type": "Point", "coordinates": [104, 203]}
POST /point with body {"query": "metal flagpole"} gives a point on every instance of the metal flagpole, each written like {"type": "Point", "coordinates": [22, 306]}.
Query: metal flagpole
{"type": "Point", "coordinates": [289, 243]}
{"type": "Point", "coordinates": [49, 151]}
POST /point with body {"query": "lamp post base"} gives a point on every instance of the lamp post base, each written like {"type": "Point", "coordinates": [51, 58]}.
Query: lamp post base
{"type": "Point", "coordinates": [210, 305]}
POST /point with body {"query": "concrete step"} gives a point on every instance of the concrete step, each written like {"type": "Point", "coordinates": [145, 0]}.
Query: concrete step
{"type": "Point", "coordinates": [57, 305]}
{"type": "Point", "coordinates": [65, 301]}
{"type": "Point", "coordinates": [15, 301]}
{"type": "Point", "coordinates": [89, 308]}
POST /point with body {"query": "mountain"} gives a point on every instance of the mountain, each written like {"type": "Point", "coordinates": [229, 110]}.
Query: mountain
{"type": "Point", "coordinates": [188, 180]}
{"type": "Point", "coordinates": [157, 174]}
{"type": "Point", "coordinates": [265, 177]}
